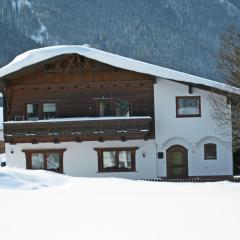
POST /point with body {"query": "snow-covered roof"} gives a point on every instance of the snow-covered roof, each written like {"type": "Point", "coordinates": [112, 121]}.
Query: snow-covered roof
{"type": "Point", "coordinates": [77, 119]}
{"type": "Point", "coordinates": [38, 55]}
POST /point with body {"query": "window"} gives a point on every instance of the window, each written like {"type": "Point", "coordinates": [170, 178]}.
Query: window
{"type": "Point", "coordinates": [116, 160]}
{"type": "Point", "coordinates": [188, 106]}
{"type": "Point", "coordinates": [32, 111]}
{"type": "Point", "coordinates": [37, 160]}
{"type": "Point", "coordinates": [113, 107]}
{"type": "Point", "coordinates": [210, 151]}
{"type": "Point", "coordinates": [51, 160]}
{"type": "Point", "coordinates": [36, 111]}
{"type": "Point", "coordinates": [122, 108]}
{"type": "Point", "coordinates": [106, 109]}
{"type": "Point", "coordinates": [49, 110]}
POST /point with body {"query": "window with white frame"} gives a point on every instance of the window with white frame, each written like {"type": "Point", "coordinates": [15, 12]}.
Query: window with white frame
{"type": "Point", "coordinates": [49, 110]}
{"type": "Point", "coordinates": [188, 106]}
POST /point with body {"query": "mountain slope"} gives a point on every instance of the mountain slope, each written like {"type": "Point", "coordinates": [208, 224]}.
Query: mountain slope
{"type": "Point", "coordinates": [180, 34]}
{"type": "Point", "coordinates": [13, 43]}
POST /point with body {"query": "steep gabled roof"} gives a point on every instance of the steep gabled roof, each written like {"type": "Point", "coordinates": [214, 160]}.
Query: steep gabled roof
{"type": "Point", "coordinates": [35, 56]}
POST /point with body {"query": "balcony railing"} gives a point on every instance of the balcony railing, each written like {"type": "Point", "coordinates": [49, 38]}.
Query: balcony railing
{"type": "Point", "coordinates": [78, 129]}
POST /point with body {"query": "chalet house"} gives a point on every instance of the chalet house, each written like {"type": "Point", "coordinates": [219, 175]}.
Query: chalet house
{"type": "Point", "coordinates": [85, 112]}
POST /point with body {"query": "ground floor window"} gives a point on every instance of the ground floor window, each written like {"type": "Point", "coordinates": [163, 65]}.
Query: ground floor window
{"type": "Point", "coordinates": [116, 159]}
{"type": "Point", "coordinates": [210, 151]}
{"type": "Point", "coordinates": [50, 159]}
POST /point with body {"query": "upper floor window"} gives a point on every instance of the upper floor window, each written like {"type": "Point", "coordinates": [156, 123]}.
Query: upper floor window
{"type": "Point", "coordinates": [210, 151]}
{"type": "Point", "coordinates": [188, 106]}
{"type": "Point", "coordinates": [32, 111]}
{"type": "Point", "coordinates": [35, 111]}
{"type": "Point", "coordinates": [114, 108]}
{"type": "Point", "coordinates": [49, 110]}
{"type": "Point", "coordinates": [122, 108]}
{"type": "Point", "coordinates": [105, 109]}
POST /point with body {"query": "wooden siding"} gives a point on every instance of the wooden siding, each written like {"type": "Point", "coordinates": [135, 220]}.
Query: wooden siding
{"type": "Point", "coordinates": [77, 85]}
{"type": "Point", "coordinates": [2, 147]}
{"type": "Point", "coordinates": [76, 89]}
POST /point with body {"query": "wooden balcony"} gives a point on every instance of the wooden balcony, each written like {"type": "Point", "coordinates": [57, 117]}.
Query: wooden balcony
{"type": "Point", "coordinates": [78, 129]}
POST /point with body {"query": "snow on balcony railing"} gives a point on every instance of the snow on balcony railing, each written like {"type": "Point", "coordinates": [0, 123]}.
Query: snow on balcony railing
{"type": "Point", "coordinates": [91, 128]}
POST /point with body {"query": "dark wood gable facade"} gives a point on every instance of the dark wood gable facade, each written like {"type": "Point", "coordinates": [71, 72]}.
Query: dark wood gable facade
{"type": "Point", "coordinates": [70, 93]}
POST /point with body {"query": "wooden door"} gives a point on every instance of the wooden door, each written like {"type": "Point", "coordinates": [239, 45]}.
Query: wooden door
{"type": "Point", "coordinates": [177, 162]}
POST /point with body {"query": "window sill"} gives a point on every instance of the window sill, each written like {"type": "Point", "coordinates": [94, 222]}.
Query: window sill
{"type": "Point", "coordinates": [188, 116]}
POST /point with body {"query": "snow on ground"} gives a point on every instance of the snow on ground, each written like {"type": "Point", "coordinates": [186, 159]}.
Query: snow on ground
{"type": "Point", "coordinates": [2, 158]}
{"type": "Point", "coordinates": [18, 179]}
{"type": "Point", "coordinates": [44, 205]}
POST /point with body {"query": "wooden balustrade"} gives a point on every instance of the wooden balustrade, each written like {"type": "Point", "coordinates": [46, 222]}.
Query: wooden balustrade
{"type": "Point", "coordinates": [78, 130]}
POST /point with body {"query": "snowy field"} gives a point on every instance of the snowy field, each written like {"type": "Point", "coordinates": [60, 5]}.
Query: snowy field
{"type": "Point", "coordinates": [44, 205]}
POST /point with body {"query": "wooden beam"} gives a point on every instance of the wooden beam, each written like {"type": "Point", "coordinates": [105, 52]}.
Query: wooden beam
{"type": "Point", "coordinates": [78, 140]}
{"type": "Point", "coordinates": [190, 89]}
{"type": "Point", "coordinates": [12, 142]}
{"type": "Point", "coordinates": [6, 105]}
{"type": "Point", "coordinates": [229, 100]}
{"type": "Point", "coordinates": [34, 141]}
{"type": "Point", "coordinates": [70, 63]}
{"type": "Point", "coordinates": [145, 138]}
{"type": "Point", "coordinates": [123, 139]}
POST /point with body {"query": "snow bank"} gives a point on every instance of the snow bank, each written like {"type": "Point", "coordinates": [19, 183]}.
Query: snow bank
{"type": "Point", "coordinates": [38, 55]}
{"type": "Point", "coordinates": [14, 178]}
{"type": "Point", "coordinates": [104, 209]}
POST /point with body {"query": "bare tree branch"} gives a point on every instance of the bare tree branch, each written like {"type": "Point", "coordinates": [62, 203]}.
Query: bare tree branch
{"type": "Point", "coordinates": [226, 115]}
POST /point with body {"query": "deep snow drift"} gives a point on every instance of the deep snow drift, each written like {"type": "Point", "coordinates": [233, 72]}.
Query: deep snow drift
{"type": "Point", "coordinates": [44, 205]}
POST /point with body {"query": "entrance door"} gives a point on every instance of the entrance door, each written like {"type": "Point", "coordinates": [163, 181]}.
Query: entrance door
{"type": "Point", "coordinates": [177, 162]}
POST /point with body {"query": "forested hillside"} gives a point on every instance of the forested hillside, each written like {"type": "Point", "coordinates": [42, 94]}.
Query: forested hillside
{"type": "Point", "coordinates": [179, 34]}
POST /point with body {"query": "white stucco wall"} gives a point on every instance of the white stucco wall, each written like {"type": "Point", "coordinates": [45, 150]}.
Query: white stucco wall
{"type": "Point", "coordinates": [192, 133]}
{"type": "Point", "coordinates": [80, 159]}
